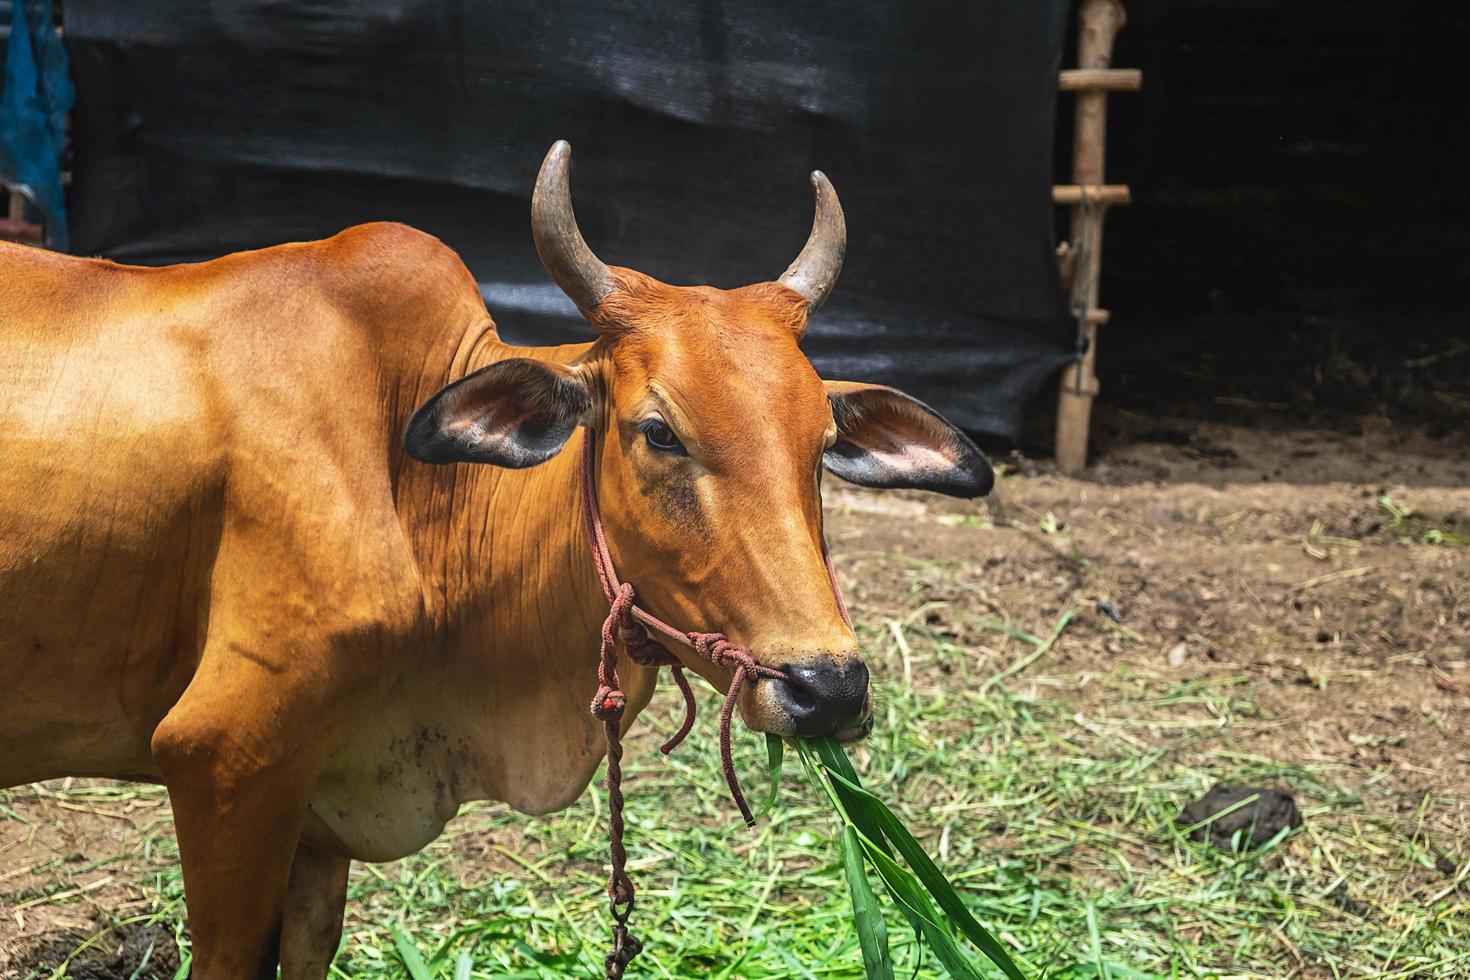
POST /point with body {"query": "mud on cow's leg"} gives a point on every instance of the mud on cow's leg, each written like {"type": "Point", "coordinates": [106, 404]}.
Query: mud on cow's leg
{"type": "Point", "coordinates": [239, 764]}
{"type": "Point", "coordinates": [316, 897]}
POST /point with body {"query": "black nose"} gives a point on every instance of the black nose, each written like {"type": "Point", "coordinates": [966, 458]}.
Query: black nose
{"type": "Point", "coordinates": [825, 696]}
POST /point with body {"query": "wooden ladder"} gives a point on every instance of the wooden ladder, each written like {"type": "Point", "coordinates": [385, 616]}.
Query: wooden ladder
{"type": "Point", "coordinates": [1081, 258]}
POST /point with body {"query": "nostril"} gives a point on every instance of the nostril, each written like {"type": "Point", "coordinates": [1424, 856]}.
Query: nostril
{"type": "Point", "coordinates": [799, 699]}
{"type": "Point", "coordinates": [825, 696]}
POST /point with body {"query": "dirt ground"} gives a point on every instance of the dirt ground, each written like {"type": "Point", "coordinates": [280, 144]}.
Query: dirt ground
{"type": "Point", "coordinates": [1331, 569]}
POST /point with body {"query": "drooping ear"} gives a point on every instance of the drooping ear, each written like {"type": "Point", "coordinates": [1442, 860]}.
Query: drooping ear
{"type": "Point", "coordinates": [886, 439]}
{"type": "Point", "coordinates": [514, 413]}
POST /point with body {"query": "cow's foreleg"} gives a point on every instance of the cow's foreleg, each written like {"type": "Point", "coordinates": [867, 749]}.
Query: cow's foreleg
{"type": "Point", "coordinates": [315, 899]}
{"type": "Point", "coordinates": [239, 765]}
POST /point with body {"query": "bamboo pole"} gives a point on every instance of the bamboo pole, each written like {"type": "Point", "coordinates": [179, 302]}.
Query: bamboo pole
{"type": "Point", "coordinates": [1099, 23]}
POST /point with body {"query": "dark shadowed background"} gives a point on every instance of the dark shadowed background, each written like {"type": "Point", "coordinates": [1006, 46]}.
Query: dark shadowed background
{"type": "Point", "coordinates": [1298, 248]}
{"type": "Point", "coordinates": [205, 128]}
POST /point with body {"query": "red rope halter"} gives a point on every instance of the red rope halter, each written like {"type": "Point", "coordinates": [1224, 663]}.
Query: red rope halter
{"type": "Point", "coordinates": [629, 625]}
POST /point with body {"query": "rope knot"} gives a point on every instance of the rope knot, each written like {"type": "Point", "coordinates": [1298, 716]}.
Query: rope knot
{"type": "Point", "coordinates": [632, 636]}
{"type": "Point", "coordinates": [721, 651]}
{"type": "Point", "coordinates": [644, 649]}
{"type": "Point", "coordinates": [625, 947]}
{"type": "Point", "coordinates": [620, 893]}
{"type": "Point", "coordinates": [609, 703]}
{"type": "Point", "coordinates": [623, 601]}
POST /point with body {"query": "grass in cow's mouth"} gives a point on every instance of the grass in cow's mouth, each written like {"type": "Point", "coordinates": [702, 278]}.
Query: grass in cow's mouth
{"type": "Point", "coordinates": [871, 840]}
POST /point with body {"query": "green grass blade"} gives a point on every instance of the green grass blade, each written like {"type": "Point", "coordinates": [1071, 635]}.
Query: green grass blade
{"type": "Point", "coordinates": [854, 809]}
{"type": "Point", "coordinates": [462, 966]}
{"type": "Point", "coordinates": [867, 916]}
{"type": "Point", "coordinates": [1041, 647]}
{"type": "Point", "coordinates": [775, 746]}
{"type": "Point", "coordinates": [143, 964]}
{"type": "Point", "coordinates": [408, 952]}
{"type": "Point", "coordinates": [850, 794]}
{"type": "Point", "coordinates": [834, 757]}
{"type": "Point", "coordinates": [1094, 939]}
{"type": "Point", "coordinates": [933, 879]}
{"type": "Point", "coordinates": [906, 891]}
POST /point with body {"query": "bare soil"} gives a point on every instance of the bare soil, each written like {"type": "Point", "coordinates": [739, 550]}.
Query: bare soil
{"type": "Point", "coordinates": [1327, 571]}
{"type": "Point", "coordinates": [71, 869]}
{"type": "Point", "coordinates": [1268, 553]}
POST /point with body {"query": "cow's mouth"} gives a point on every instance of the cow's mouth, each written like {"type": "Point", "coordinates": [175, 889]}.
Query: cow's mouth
{"type": "Point", "coordinates": [856, 732]}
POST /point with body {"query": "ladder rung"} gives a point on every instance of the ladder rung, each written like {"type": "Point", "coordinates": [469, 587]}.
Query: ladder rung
{"type": "Point", "coordinates": [1096, 194]}
{"type": "Point", "coordinates": [1095, 317]}
{"type": "Point", "coordinates": [1100, 80]}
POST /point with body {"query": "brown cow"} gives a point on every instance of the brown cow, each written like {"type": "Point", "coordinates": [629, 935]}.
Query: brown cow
{"type": "Point", "coordinates": [223, 566]}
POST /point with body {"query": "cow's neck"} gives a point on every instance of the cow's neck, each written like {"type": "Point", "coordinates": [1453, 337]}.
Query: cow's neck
{"type": "Point", "coordinates": [514, 611]}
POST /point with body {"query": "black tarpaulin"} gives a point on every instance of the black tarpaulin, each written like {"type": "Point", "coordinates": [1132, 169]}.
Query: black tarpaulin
{"type": "Point", "coordinates": [202, 128]}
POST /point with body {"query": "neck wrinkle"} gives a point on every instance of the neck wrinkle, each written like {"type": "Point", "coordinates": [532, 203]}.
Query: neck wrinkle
{"type": "Point", "coordinates": [501, 553]}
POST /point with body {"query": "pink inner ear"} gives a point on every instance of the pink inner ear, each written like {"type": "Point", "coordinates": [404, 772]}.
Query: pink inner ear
{"type": "Point", "coordinates": [485, 417]}
{"type": "Point", "coordinates": [905, 444]}
{"type": "Point", "coordinates": [912, 457]}
{"type": "Point", "coordinates": [902, 436]}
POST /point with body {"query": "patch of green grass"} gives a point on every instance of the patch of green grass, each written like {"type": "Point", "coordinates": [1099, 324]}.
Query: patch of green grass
{"type": "Point", "coordinates": [1055, 825]}
{"type": "Point", "coordinates": [1425, 528]}
{"type": "Point", "coordinates": [1057, 830]}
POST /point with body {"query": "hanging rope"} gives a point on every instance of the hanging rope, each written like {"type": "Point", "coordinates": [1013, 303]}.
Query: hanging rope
{"type": "Point", "coordinates": [629, 625]}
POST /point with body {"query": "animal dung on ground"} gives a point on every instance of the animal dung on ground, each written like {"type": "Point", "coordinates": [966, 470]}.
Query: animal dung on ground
{"type": "Point", "coordinates": [1240, 817]}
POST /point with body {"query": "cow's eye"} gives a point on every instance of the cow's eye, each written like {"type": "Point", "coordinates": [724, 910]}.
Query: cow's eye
{"type": "Point", "coordinates": [659, 436]}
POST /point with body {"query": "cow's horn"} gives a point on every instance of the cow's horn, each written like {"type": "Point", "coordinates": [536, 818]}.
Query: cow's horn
{"type": "Point", "coordinates": [815, 270]}
{"type": "Point", "coordinates": [579, 273]}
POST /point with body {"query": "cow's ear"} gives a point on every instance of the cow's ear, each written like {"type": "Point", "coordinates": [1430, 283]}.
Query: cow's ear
{"type": "Point", "coordinates": [888, 440]}
{"type": "Point", "coordinates": [514, 413]}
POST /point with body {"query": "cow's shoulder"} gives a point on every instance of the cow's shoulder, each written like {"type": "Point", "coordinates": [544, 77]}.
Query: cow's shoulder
{"type": "Point", "coordinates": [391, 239]}
{"type": "Point", "coordinates": [398, 277]}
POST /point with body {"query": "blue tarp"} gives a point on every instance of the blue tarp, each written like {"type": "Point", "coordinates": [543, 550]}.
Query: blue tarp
{"type": "Point", "coordinates": [35, 96]}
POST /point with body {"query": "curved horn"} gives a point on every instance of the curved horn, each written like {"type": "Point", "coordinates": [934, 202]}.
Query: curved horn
{"type": "Point", "coordinates": [579, 273]}
{"type": "Point", "coordinates": [815, 270]}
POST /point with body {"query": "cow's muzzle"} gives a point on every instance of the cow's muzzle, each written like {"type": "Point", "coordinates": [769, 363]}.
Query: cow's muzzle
{"type": "Point", "coordinates": [825, 696]}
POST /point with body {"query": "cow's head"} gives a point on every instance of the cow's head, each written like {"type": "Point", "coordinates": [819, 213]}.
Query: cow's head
{"type": "Point", "coordinates": [713, 431]}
